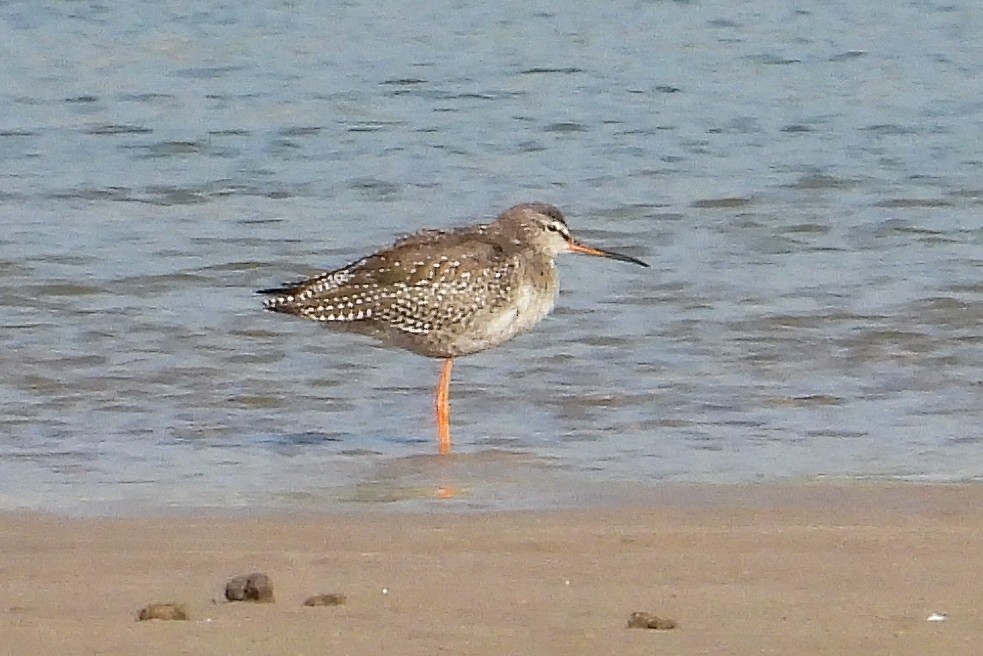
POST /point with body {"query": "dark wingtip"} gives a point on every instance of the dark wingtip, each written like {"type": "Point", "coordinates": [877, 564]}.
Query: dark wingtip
{"type": "Point", "coordinates": [286, 288]}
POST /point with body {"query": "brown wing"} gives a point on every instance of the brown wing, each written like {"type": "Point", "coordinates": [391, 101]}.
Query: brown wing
{"type": "Point", "coordinates": [424, 282]}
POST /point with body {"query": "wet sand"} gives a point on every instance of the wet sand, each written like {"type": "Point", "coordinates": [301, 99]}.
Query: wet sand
{"type": "Point", "coordinates": [797, 569]}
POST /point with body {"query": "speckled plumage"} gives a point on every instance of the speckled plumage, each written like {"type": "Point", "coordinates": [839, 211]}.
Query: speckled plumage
{"type": "Point", "coordinates": [446, 293]}
{"type": "Point", "coordinates": [442, 293]}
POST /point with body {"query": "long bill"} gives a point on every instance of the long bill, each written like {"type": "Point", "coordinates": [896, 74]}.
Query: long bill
{"type": "Point", "coordinates": [577, 247]}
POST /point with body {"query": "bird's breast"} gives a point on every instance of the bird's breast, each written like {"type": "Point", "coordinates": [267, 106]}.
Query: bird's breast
{"type": "Point", "coordinates": [530, 302]}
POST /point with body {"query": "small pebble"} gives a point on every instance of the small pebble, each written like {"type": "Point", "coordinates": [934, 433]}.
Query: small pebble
{"type": "Point", "coordinates": [643, 620]}
{"type": "Point", "coordinates": [250, 587]}
{"type": "Point", "coordinates": [333, 599]}
{"type": "Point", "coordinates": [163, 612]}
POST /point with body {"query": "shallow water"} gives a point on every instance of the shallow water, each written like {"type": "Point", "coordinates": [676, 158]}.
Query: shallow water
{"type": "Point", "coordinates": [805, 184]}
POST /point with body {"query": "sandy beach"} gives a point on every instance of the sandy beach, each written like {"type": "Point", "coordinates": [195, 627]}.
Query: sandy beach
{"type": "Point", "coordinates": [798, 569]}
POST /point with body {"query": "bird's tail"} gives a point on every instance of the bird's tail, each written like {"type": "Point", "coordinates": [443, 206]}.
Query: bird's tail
{"type": "Point", "coordinates": [291, 297]}
{"type": "Point", "coordinates": [284, 297]}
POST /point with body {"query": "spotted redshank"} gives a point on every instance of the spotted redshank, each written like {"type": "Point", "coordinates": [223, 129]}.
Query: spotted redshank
{"type": "Point", "coordinates": [446, 293]}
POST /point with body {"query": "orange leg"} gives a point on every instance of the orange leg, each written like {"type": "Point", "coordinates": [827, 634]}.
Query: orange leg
{"type": "Point", "coordinates": [444, 407]}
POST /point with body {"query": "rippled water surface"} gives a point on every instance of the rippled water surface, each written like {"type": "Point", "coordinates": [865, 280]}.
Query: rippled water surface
{"type": "Point", "coordinates": [807, 185]}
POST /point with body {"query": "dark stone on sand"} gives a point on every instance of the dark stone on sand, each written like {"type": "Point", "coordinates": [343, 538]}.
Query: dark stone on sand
{"type": "Point", "coordinates": [643, 620]}
{"type": "Point", "coordinates": [333, 599]}
{"type": "Point", "coordinates": [250, 587]}
{"type": "Point", "coordinates": [163, 612]}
